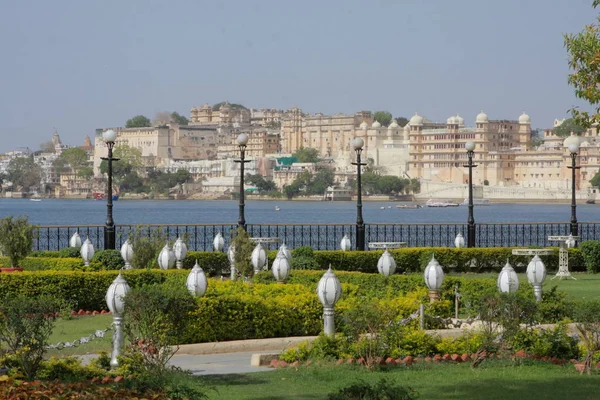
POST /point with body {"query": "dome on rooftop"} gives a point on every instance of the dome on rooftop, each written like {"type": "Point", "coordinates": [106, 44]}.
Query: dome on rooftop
{"type": "Point", "coordinates": [394, 125]}
{"type": "Point", "coordinates": [364, 125]}
{"type": "Point", "coordinates": [524, 119]}
{"type": "Point", "coordinates": [376, 124]}
{"type": "Point", "coordinates": [416, 120]}
{"type": "Point", "coordinates": [459, 120]}
{"type": "Point", "coordinates": [481, 118]}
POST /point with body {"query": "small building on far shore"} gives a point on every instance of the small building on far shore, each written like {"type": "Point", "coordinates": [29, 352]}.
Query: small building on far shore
{"type": "Point", "coordinates": [337, 194]}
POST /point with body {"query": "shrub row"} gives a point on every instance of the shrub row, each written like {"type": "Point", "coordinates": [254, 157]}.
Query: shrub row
{"type": "Point", "coordinates": [212, 263]}
{"type": "Point", "coordinates": [414, 259]}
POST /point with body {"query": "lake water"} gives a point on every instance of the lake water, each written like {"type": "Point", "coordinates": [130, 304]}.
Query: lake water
{"type": "Point", "coordinates": [90, 212]}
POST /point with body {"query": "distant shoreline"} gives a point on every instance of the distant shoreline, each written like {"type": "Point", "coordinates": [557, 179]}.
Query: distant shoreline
{"type": "Point", "coordinates": [364, 199]}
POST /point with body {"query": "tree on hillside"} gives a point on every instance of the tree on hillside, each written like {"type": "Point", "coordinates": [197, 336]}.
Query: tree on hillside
{"type": "Point", "coordinates": [595, 181]}
{"type": "Point", "coordinates": [569, 125]}
{"type": "Point", "coordinates": [261, 183]}
{"type": "Point", "coordinates": [24, 172]}
{"type": "Point", "coordinates": [383, 117]}
{"type": "Point", "coordinates": [130, 160]}
{"type": "Point", "coordinates": [402, 121]}
{"type": "Point", "coordinates": [583, 51]}
{"type": "Point", "coordinates": [320, 182]}
{"type": "Point", "coordinates": [233, 106]}
{"type": "Point", "coordinates": [139, 121]}
{"type": "Point", "coordinates": [179, 119]}
{"type": "Point", "coordinates": [75, 157]}
{"type": "Point", "coordinates": [389, 184]}
{"type": "Point", "coordinates": [306, 155]}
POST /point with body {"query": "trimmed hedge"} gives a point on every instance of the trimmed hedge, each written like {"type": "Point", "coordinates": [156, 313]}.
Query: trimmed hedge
{"type": "Point", "coordinates": [84, 290]}
{"type": "Point", "coordinates": [212, 263]}
{"type": "Point", "coordinates": [414, 259]}
{"type": "Point", "coordinates": [52, 264]}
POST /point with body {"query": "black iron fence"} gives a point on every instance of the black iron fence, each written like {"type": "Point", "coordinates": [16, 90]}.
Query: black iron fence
{"type": "Point", "coordinates": [326, 236]}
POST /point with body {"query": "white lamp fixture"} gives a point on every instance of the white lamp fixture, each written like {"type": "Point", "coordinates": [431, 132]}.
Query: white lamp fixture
{"type": "Point", "coordinates": [459, 241]}
{"type": "Point", "coordinates": [470, 146]}
{"type": "Point", "coordinates": [386, 265]}
{"type": "Point", "coordinates": [329, 291]}
{"type": "Point", "coordinates": [180, 251]}
{"type": "Point", "coordinates": [166, 258]}
{"type": "Point", "coordinates": [281, 268]}
{"type": "Point", "coordinates": [196, 281]}
{"type": "Point", "coordinates": [283, 249]}
{"type": "Point", "coordinates": [574, 147]}
{"type": "Point", "coordinates": [258, 258]}
{"type": "Point", "coordinates": [570, 242]}
{"type": "Point", "coordinates": [127, 253]}
{"type": "Point", "coordinates": [357, 143]}
{"type": "Point", "coordinates": [345, 244]}
{"type": "Point", "coordinates": [75, 240]}
{"type": "Point", "coordinates": [218, 242]}
{"type": "Point", "coordinates": [434, 277]}
{"type": "Point", "coordinates": [231, 257]}
{"type": "Point", "coordinates": [242, 139]}
{"type": "Point", "coordinates": [508, 281]}
{"type": "Point", "coordinates": [536, 273]}
{"type": "Point", "coordinates": [87, 251]}
{"type": "Point", "coordinates": [109, 136]}
{"type": "Point", "coordinates": [116, 304]}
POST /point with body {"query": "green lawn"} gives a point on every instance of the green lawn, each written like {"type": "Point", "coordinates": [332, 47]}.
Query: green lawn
{"type": "Point", "coordinates": [587, 286]}
{"type": "Point", "coordinates": [69, 330]}
{"type": "Point", "coordinates": [493, 380]}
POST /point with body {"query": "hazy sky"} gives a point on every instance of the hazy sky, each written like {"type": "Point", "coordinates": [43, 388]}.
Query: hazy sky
{"type": "Point", "coordinates": [81, 65]}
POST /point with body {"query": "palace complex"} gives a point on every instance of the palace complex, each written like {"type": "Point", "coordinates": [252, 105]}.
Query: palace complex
{"type": "Point", "coordinates": [423, 149]}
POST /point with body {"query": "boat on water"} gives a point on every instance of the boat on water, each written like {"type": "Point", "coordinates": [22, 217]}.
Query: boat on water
{"type": "Point", "coordinates": [35, 199]}
{"type": "Point", "coordinates": [102, 196]}
{"type": "Point", "coordinates": [409, 206]}
{"type": "Point", "coordinates": [477, 202]}
{"type": "Point", "coordinates": [440, 203]}
{"type": "Point", "coordinates": [277, 208]}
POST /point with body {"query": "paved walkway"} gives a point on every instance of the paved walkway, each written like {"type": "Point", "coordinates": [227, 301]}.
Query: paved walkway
{"type": "Point", "coordinates": [209, 364]}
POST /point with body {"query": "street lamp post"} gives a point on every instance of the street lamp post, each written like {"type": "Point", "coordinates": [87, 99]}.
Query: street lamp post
{"type": "Point", "coordinates": [242, 140]}
{"type": "Point", "coordinates": [470, 146]}
{"type": "Point", "coordinates": [573, 148]}
{"type": "Point", "coordinates": [357, 144]}
{"type": "Point", "coordinates": [109, 137]}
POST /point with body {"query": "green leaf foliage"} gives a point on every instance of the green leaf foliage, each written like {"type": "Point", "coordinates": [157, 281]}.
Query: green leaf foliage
{"type": "Point", "coordinates": [139, 121]}
{"type": "Point", "coordinates": [16, 238]}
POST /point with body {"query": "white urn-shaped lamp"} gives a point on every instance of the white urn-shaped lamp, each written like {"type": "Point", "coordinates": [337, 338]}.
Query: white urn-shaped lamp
{"type": "Point", "coordinates": [536, 273]}
{"type": "Point", "coordinates": [116, 304]}
{"type": "Point", "coordinates": [329, 291]}
{"type": "Point", "coordinates": [87, 251]}
{"type": "Point", "coordinates": [345, 244]}
{"type": "Point", "coordinates": [283, 249]}
{"type": "Point", "coordinates": [231, 257]}
{"type": "Point", "coordinates": [281, 268]}
{"type": "Point", "coordinates": [166, 258]}
{"type": "Point", "coordinates": [218, 242]}
{"type": "Point", "coordinates": [75, 240]}
{"type": "Point", "coordinates": [196, 281]}
{"type": "Point", "coordinates": [386, 265]}
{"type": "Point", "coordinates": [258, 258]}
{"type": "Point", "coordinates": [459, 241]}
{"type": "Point", "coordinates": [570, 242]}
{"type": "Point", "coordinates": [127, 253]}
{"type": "Point", "coordinates": [508, 281]}
{"type": "Point", "coordinates": [434, 278]}
{"type": "Point", "coordinates": [180, 251]}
